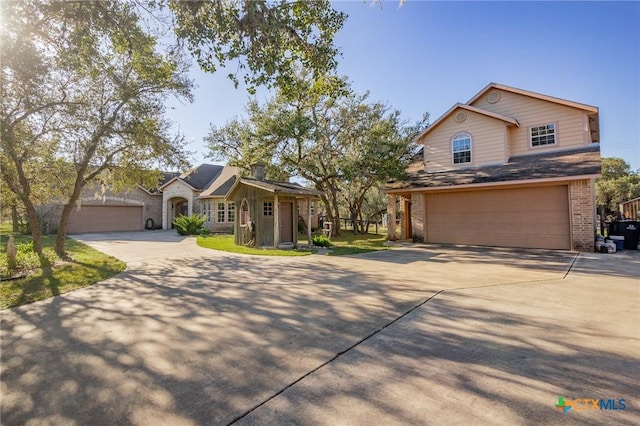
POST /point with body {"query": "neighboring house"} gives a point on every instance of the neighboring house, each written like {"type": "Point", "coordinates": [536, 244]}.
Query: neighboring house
{"type": "Point", "coordinates": [265, 210]}
{"type": "Point", "coordinates": [631, 209]}
{"type": "Point", "coordinates": [198, 192]}
{"type": "Point", "coordinates": [101, 210]}
{"type": "Point", "coordinates": [509, 168]}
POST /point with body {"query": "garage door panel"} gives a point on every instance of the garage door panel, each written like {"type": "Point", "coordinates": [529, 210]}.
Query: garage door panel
{"type": "Point", "coordinates": [105, 219]}
{"type": "Point", "coordinates": [536, 217]}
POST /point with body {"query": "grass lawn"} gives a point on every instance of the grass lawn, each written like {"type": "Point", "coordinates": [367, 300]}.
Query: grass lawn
{"type": "Point", "coordinates": [84, 267]}
{"type": "Point", "coordinates": [348, 243]}
{"type": "Point", "coordinates": [226, 243]}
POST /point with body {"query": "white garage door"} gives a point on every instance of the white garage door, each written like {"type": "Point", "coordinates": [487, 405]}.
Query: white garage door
{"type": "Point", "coordinates": [536, 217]}
{"type": "Point", "coordinates": [105, 219]}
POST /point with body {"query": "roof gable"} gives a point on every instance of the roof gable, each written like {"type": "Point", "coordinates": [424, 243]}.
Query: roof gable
{"type": "Point", "coordinates": [178, 181]}
{"type": "Point", "coordinates": [444, 117]}
{"type": "Point", "coordinates": [589, 108]}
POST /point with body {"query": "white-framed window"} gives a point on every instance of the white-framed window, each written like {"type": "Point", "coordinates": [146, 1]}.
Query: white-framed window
{"type": "Point", "coordinates": [231, 211]}
{"type": "Point", "coordinates": [267, 208]}
{"type": "Point", "coordinates": [221, 211]}
{"type": "Point", "coordinates": [461, 148]}
{"type": "Point", "coordinates": [543, 135]}
{"type": "Point", "coordinates": [244, 212]}
{"type": "Point", "coordinates": [206, 210]}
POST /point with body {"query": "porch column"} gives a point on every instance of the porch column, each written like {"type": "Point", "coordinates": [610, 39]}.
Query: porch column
{"type": "Point", "coordinates": [276, 222]}
{"type": "Point", "coordinates": [309, 221]}
{"type": "Point", "coordinates": [165, 210]}
{"type": "Point", "coordinates": [391, 217]}
{"type": "Point", "coordinates": [189, 206]}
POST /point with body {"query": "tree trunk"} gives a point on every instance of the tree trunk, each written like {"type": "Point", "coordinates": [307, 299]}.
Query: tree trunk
{"type": "Point", "coordinates": [36, 233]}
{"type": "Point", "coordinates": [15, 225]}
{"type": "Point", "coordinates": [354, 219]}
{"type": "Point", "coordinates": [61, 237]}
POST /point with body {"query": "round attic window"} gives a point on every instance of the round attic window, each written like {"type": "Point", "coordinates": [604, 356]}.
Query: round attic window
{"type": "Point", "coordinates": [493, 97]}
{"type": "Point", "coordinates": [460, 117]}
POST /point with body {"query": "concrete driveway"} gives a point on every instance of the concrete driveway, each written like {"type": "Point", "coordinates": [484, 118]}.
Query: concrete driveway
{"type": "Point", "coordinates": [415, 335]}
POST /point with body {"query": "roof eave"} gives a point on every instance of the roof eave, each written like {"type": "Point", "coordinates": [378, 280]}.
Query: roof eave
{"type": "Point", "coordinates": [497, 183]}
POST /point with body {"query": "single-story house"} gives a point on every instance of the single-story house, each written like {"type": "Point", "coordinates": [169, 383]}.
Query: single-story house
{"type": "Point", "coordinates": [266, 210]}
{"type": "Point", "coordinates": [200, 191]}
{"type": "Point", "coordinates": [508, 168]}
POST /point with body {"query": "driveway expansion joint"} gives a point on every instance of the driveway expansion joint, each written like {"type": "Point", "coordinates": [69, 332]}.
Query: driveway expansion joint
{"type": "Point", "coordinates": [335, 357]}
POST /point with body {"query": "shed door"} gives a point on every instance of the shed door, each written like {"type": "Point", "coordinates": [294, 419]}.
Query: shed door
{"type": "Point", "coordinates": [286, 222]}
{"type": "Point", "coordinates": [536, 217]}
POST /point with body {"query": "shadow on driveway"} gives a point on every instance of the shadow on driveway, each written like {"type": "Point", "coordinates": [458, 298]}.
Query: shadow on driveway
{"type": "Point", "coordinates": [203, 339]}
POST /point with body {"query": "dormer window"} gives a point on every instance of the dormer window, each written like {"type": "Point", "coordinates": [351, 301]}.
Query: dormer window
{"type": "Point", "coordinates": [543, 135]}
{"type": "Point", "coordinates": [461, 148]}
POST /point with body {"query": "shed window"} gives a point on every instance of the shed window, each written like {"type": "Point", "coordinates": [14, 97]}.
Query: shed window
{"type": "Point", "coordinates": [543, 135]}
{"type": "Point", "coordinates": [461, 147]}
{"type": "Point", "coordinates": [231, 211]}
{"type": "Point", "coordinates": [267, 208]}
{"type": "Point", "coordinates": [244, 213]}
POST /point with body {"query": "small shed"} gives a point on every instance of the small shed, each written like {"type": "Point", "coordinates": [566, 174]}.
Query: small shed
{"type": "Point", "coordinates": [266, 212]}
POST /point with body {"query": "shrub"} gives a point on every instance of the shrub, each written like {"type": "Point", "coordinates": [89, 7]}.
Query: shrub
{"type": "Point", "coordinates": [25, 247]}
{"type": "Point", "coordinates": [321, 241]}
{"type": "Point", "coordinates": [189, 225]}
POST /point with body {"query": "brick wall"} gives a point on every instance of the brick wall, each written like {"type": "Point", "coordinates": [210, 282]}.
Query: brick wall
{"type": "Point", "coordinates": [582, 214]}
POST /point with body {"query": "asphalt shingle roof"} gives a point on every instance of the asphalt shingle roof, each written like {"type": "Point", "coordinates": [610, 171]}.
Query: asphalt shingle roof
{"type": "Point", "coordinates": [579, 162]}
{"type": "Point", "coordinates": [281, 187]}
{"type": "Point", "coordinates": [202, 176]}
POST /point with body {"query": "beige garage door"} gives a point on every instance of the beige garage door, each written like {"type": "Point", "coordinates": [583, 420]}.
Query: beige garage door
{"type": "Point", "coordinates": [535, 217]}
{"type": "Point", "coordinates": [105, 219]}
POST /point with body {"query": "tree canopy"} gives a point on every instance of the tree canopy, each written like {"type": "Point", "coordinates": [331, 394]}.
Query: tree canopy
{"type": "Point", "coordinates": [323, 132]}
{"type": "Point", "coordinates": [84, 84]}
{"type": "Point", "coordinates": [83, 95]}
{"type": "Point", "coordinates": [618, 184]}
{"type": "Point", "coordinates": [267, 40]}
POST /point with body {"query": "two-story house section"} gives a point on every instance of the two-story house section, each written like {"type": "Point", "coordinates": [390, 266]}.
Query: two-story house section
{"type": "Point", "coordinates": [509, 168]}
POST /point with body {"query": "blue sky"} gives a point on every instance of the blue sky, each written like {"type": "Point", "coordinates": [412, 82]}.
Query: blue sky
{"type": "Point", "coordinates": [426, 56]}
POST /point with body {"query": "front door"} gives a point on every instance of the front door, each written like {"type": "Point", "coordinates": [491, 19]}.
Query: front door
{"type": "Point", "coordinates": [286, 222]}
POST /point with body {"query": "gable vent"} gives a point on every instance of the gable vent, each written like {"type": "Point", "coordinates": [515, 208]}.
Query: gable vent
{"type": "Point", "coordinates": [493, 97]}
{"type": "Point", "coordinates": [460, 117]}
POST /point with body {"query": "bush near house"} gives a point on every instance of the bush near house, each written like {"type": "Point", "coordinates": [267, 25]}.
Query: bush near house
{"type": "Point", "coordinates": [190, 225]}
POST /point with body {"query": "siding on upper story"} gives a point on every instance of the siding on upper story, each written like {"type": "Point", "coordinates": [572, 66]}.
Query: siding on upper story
{"type": "Point", "coordinates": [488, 142]}
{"type": "Point", "coordinates": [572, 124]}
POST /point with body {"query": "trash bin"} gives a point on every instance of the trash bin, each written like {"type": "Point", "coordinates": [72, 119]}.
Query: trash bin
{"type": "Point", "coordinates": [629, 229]}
